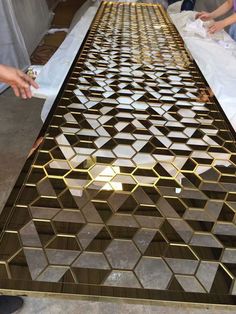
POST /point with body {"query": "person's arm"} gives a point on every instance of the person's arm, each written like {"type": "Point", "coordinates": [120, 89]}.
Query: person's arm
{"type": "Point", "coordinates": [18, 80]}
{"type": "Point", "coordinates": [217, 26]}
{"type": "Point", "coordinates": [221, 10]}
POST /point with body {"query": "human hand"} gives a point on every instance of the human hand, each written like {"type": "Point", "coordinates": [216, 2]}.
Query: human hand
{"type": "Point", "coordinates": [18, 80]}
{"type": "Point", "coordinates": [204, 16]}
{"type": "Point", "coordinates": [216, 27]}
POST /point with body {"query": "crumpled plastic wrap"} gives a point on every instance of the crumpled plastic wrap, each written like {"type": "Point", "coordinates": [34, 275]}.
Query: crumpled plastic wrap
{"type": "Point", "coordinates": [200, 28]}
{"type": "Point", "coordinates": [53, 73]}
{"type": "Point", "coordinates": [215, 58]}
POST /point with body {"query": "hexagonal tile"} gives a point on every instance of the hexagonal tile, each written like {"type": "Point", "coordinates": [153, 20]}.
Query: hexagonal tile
{"type": "Point", "coordinates": [125, 100]}
{"type": "Point", "coordinates": [144, 160]}
{"type": "Point", "coordinates": [103, 173]}
{"type": "Point", "coordinates": [187, 113]}
{"type": "Point", "coordinates": [122, 279]}
{"type": "Point", "coordinates": [77, 179]}
{"type": "Point", "coordinates": [122, 254]}
{"type": "Point", "coordinates": [153, 273]}
{"type": "Point", "coordinates": [124, 151]}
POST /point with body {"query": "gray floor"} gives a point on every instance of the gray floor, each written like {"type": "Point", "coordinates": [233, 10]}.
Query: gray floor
{"type": "Point", "coordinates": [55, 306]}
{"type": "Point", "coordinates": [20, 124]}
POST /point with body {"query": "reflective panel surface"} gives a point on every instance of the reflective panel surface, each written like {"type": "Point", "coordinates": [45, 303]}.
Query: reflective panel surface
{"type": "Point", "coordinates": [132, 191]}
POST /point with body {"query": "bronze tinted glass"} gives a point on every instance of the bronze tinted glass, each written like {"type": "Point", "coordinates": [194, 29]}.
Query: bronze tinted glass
{"type": "Point", "coordinates": [132, 192]}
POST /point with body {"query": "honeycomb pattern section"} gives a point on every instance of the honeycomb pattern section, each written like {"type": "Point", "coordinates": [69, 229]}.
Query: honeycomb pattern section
{"type": "Point", "coordinates": [133, 185]}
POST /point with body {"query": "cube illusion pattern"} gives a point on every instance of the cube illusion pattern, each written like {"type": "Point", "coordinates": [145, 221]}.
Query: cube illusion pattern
{"type": "Point", "coordinates": [134, 185]}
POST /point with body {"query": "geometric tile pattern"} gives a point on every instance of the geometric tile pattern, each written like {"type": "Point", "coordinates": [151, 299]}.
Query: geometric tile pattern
{"type": "Point", "coordinates": [134, 184]}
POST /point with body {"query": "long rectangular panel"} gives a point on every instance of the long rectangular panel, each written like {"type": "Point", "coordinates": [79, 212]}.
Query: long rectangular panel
{"type": "Point", "coordinates": [132, 192]}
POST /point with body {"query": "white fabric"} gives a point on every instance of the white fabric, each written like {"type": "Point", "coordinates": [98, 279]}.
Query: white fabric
{"type": "Point", "coordinates": [54, 72]}
{"type": "Point", "coordinates": [22, 23]}
{"type": "Point", "coordinates": [196, 27]}
{"type": "Point", "coordinates": [13, 51]}
{"type": "Point", "coordinates": [216, 60]}
{"type": "Point", "coordinates": [33, 17]}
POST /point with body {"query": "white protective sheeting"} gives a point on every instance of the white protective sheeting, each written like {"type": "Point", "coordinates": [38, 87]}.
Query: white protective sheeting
{"type": "Point", "coordinates": [22, 23]}
{"type": "Point", "coordinates": [12, 46]}
{"type": "Point", "coordinates": [53, 74]}
{"type": "Point", "coordinates": [215, 58]}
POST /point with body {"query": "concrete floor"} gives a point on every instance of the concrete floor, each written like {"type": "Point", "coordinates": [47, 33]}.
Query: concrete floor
{"type": "Point", "coordinates": [56, 306]}
{"type": "Point", "coordinates": [19, 126]}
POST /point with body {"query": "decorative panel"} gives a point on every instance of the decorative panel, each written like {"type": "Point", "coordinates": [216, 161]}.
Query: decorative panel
{"type": "Point", "coordinates": [132, 191]}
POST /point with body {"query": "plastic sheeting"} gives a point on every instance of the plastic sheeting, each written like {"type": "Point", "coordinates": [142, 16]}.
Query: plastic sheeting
{"type": "Point", "coordinates": [23, 23]}
{"type": "Point", "coordinates": [12, 46]}
{"type": "Point", "coordinates": [33, 17]}
{"type": "Point", "coordinates": [215, 58]}
{"type": "Point", "coordinates": [58, 66]}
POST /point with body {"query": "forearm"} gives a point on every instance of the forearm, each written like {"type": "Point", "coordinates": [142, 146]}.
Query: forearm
{"type": "Point", "coordinates": [18, 80]}
{"type": "Point", "coordinates": [230, 20]}
{"type": "Point", "coordinates": [224, 8]}
{"type": "Point", "coordinates": [3, 73]}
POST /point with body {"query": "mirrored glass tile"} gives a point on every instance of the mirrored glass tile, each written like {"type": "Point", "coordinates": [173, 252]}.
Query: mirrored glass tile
{"type": "Point", "coordinates": [43, 212]}
{"type": "Point", "coordinates": [90, 213]}
{"type": "Point", "coordinates": [61, 257]}
{"type": "Point", "coordinates": [125, 100]}
{"type": "Point", "coordinates": [153, 273]}
{"type": "Point", "coordinates": [61, 140]}
{"type": "Point", "coordinates": [190, 283]}
{"type": "Point", "coordinates": [143, 238]}
{"type": "Point", "coordinates": [29, 236]}
{"type": "Point", "coordinates": [45, 188]}
{"type": "Point", "coordinates": [122, 254]}
{"type": "Point", "coordinates": [225, 228]}
{"type": "Point", "coordinates": [229, 255]}
{"type": "Point", "coordinates": [88, 233]}
{"type": "Point", "coordinates": [124, 151]}
{"type": "Point", "coordinates": [69, 130]}
{"type": "Point", "coordinates": [122, 220]}
{"type": "Point", "coordinates": [234, 289]}
{"type": "Point", "coordinates": [59, 164]}
{"type": "Point", "coordinates": [206, 274]}
{"type": "Point", "coordinates": [68, 152]}
{"type": "Point", "coordinates": [52, 274]}
{"type": "Point", "coordinates": [93, 260]}
{"type": "Point", "coordinates": [182, 228]}
{"type": "Point", "coordinates": [124, 179]}
{"type": "Point", "coordinates": [182, 266]}
{"type": "Point", "coordinates": [104, 153]}
{"type": "Point", "coordinates": [144, 160]}
{"type": "Point", "coordinates": [69, 118]}
{"type": "Point", "coordinates": [36, 261]}
{"type": "Point", "coordinates": [122, 279]}
{"type": "Point", "coordinates": [201, 239]}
